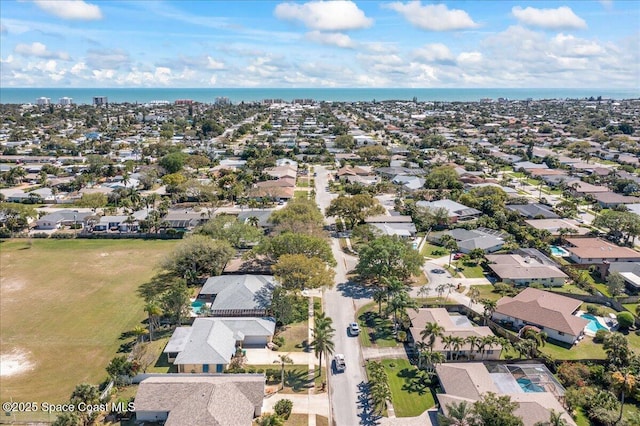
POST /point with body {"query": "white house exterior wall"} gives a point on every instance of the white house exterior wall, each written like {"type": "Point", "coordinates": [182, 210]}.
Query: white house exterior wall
{"type": "Point", "coordinates": [553, 334]}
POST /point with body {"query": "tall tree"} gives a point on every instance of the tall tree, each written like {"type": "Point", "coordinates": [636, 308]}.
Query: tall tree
{"type": "Point", "coordinates": [293, 243]}
{"type": "Point", "coordinates": [457, 414]}
{"type": "Point", "coordinates": [354, 209]}
{"type": "Point", "coordinates": [323, 334]}
{"type": "Point", "coordinates": [199, 255]}
{"type": "Point", "coordinates": [282, 360]}
{"type": "Point", "coordinates": [494, 410]}
{"type": "Point", "coordinates": [431, 332]}
{"type": "Point", "coordinates": [298, 272]}
{"type": "Point", "coordinates": [388, 257]}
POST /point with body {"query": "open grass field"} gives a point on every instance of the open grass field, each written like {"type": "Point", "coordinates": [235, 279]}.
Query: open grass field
{"type": "Point", "coordinates": [410, 397]}
{"type": "Point", "coordinates": [64, 305]}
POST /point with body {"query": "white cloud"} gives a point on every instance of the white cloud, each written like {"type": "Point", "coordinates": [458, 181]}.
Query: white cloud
{"type": "Point", "coordinates": [469, 58]}
{"type": "Point", "coordinates": [70, 9]}
{"type": "Point", "coordinates": [576, 47]}
{"type": "Point", "coordinates": [212, 64]}
{"type": "Point", "coordinates": [433, 17]}
{"type": "Point", "coordinates": [78, 68]}
{"type": "Point", "coordinates": [325, 15]}
{"type": "Point", "coordinates": [332, 39]}
{"type": "Point", "coordinates": [39, 50]}
{"type": "Point", "coordinates": [381, 59]}
{"type": "Point", "coordinates": [554, 19]}
{"type": "Point", "coordinates": [7, 61]}
{"type": "Point", "coordinates": [434, 52]}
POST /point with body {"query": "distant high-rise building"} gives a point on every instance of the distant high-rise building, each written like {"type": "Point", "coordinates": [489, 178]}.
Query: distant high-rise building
{"type": "Point", "coordinates": [222, 100]}
{"type": "Point", "coordinates": [65, 101]}
{"type": "Point", "coordinates": [184, 101]}
{"type": "Point", "coordinates": [43, 101]}
{"type": "Point", "coordinates": [100, 100]}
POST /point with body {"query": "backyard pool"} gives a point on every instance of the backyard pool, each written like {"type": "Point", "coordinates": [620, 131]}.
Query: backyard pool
{"type": "Point", "coordinates": [528, 386]}
{"type": "Point", "coordinates": [558, 251]}
{"type": "Point", "coordinates": [196, 306]}
{"type": "Point", "coordinates": [594, 325]}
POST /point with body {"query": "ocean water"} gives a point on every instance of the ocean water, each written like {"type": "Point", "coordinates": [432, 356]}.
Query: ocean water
{"type": "Point", "coordinates": [208, 95]}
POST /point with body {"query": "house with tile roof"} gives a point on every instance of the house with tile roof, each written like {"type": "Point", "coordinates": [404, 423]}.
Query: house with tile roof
{"type": "Point", "coordinates": [455, 326]}
{"type": "Point", "coordinates": [595, 251]}
{"type": "Point", "coordinates": [550, 312]}
{"type": "Point", "coordinates": [531, 386]}
{"type": "Point", "coordinates": [179, 399]}
{"type": "Point", "coordinates": [524, 271]}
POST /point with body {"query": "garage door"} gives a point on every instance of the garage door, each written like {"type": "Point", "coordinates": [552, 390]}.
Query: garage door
{"type": "Point", "coordinates": [254, 342]}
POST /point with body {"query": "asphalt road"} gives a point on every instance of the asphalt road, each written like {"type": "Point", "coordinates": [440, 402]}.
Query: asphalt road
{"type": "Point", "coordinates": [345, 393]}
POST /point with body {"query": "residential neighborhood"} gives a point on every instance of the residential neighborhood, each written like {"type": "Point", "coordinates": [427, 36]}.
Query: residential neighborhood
{"type": "Point", "coordinates": [322, 263]}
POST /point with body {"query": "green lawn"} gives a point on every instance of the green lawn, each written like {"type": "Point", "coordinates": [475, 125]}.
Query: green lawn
{"type": "Point", "coordinates": [586, 349]}
{"type": "Point", "coordinates": [295, 336]}
{"type": "Point", "coordinates": [470, 269]}
{"type": "Point", "coordinates": [486, 292]}
{"type": "Point", "coordinates": [568, 288]}
{"type": "Point", "coordinates": [432, 250]}
{"type": "Point", "coordinates": [410, 397]}
{"type": "Point", "coordinates": [64, 306]}
{"type": "Point", "coordinates": [296, 377]}
{"type": "Point", "coordinates": [376, 331]}
{"type": "Point", "coordinates": [631, 307]}
{"type": "Point", "coordinates": [300, 194]}
{"type": "Point", "coordinates": [161, 364]}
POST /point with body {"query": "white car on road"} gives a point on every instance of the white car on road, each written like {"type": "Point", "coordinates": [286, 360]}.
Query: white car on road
{"type": "Point", "coordinates": [340, 365]}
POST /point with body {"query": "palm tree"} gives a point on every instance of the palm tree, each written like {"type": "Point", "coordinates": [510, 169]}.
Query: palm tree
{"type": "Point", "coordinates": [432, 359]}
{"type": "Point", "coordinates": [283, 359]}
{"type": "Point", "coordinates": [139, 331]}
{"type": "Point", "coordinates": [448, 287]}
{"type": "Point", "coordinates": [421, 348]}
{"type": "Point", "coordinates": [447, 340]}
{"type": "Point", "coordinates": [625, 382]}
{"type": "Point", "coordinates": [253, 221]}
{"type": "Point", "coordinates": [473, 294]}
{"type": "Point", "coordinates": [322, 337]}
{"type": "Point", "coordinates": [489, 308]}
{"type": "Point", "coordinates": [458, 414]}
{"type": "Point", "coordinates": [473, 342]}
{"type": "Point", "coordinates": [456, 344]}
{"type": "Point", "coordinates": [431, 331]}
{"type": "Point", "coordinates": [379, 296]}
{"type": "Point", "coordinates": [555, 419]}
{"type": "Point", "coordinates": [487, 341]}
{"type": "Point", "coordinates": [539, 338]}
{"type": "Point", "coordinates": [401, 301]}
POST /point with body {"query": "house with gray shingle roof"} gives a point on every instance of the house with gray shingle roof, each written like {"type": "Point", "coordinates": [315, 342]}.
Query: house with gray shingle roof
{"type": "Point", "coordinates": [238, 295]}
{"type": "Point", "coordinates": [180, 399]}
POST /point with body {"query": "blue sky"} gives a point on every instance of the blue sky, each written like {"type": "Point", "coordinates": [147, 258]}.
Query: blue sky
{"type": "Point", "coordinates": [147, 43]}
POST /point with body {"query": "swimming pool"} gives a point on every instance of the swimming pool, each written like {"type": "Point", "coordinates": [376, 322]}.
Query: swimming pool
{"type": "Point", "coordinates": [558, 251]}
{"type": "Point", "coordinates": [196, 306]}
{"type": "Point", "coordinates": [528, 386]}
{"type": "Point", "coordinates": [594, 325]}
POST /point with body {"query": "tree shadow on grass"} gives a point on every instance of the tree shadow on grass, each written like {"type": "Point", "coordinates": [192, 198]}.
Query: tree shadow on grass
{"type": "Point", "coordinates": [298, 380]}
{"type": "Point", "coordinates": [379, 327]}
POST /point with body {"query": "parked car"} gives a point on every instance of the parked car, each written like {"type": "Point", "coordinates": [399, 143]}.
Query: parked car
{"type": "Point", "coordinates": [354, 329]}
{"type": "Point", "coordinates": [457, 256]}
{"type": "Point", "coordinates": [340, 365]}
{"type": "Point", "coordinates": [438, 271]}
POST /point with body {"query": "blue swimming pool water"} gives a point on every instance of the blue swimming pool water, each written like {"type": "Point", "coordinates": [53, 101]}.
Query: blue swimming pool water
{"type": "Point", "coordinates": [196, 306]}
{"type": "Point", "coordinates": [594, 325]}
{"type": "Point", "coordinates": [558, 251]}
{"type": "Point", "coordinates": [528, 386]}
